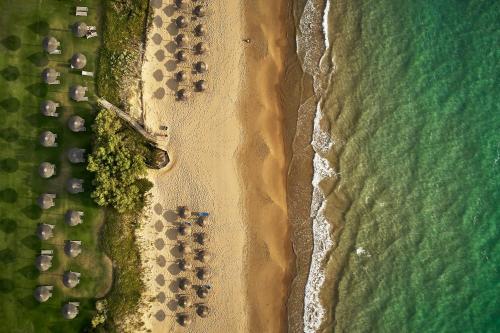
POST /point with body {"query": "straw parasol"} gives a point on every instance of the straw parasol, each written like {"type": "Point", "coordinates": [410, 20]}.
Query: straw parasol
{"type": "Point", "coordinates": [48, 108]}
{"type": "Point", "coordinates": [200, 30]}
{"type": "Point", "coordinates": [203, 291]}
{"type": "Point", "coordinates": [203, 256]}
{"type": "Point", "coordinates": [72, 248]}
{"type": "Point", "coordinates": [181, 22]}
{"type": "Point", "coordinates": [76, 155]}
{"type": "Point", "coordinates": [201, 67]}
{"type": "Point", "coordinates": [46, 200]}
{"type": "Point", "coordinates": [199, 11]}
{"type": "Point", "coordinates": [203, 273]}
{"type": "Point", "coordinates": [200, 238]}
{"type": "Point", "coordinates": [76, 124]}
{"type": "Point", "coordinates": [181, 76]}
{"type": "Point", "coordinates": [80, 29]}
{"type": "Point", "coordinates": [184, 302]}
{"type": "Point", "coordinates": [78, 60]}
{"type": "Point", "coordinates": [71, 279]}
{"type": "Point", "coordinates": [202, 310]}
{"type": "Point", "coordinates": [77, 92]}
{"type": "Point", "coordinates": [200, 85]}
{"type": "Point", "coordinates": [50, 75]}
{"type": "Point", "coordinates": [201, 48]}
{"type": "Point", "coordinates": [46, 170]}
{"type": "Point", "coordinates": [74, 185]}
{"type": "Point", "coordinates": [184, 248]}
{"type": "Point", "coordinates": [202, 221]}
{"type": "Point", "coordinates": [43, 293]}
{"type": "Point", "coordinates": [184, 265]}
{"type": "Point", "coordinates": [184, 212]}
{"type": "Point", "coordinates": [185, 229]}
{"type": "Point", "coordinates": [181, 55]}
{"type": "Point", "coordinates": [43, 262]}
{"type": "Point", "coordinates": [48, 139]}
{"type": "Point", "coordinates": [184, 319]}
{"type": "Point", "coordinates": [184, 283]}
{"type": "Point", "coordinates": [181, 39]}
{"type": "Point", "coordinates": [73, 217]}
{"type": "Point", "coordinates": [182, 95]}
{"type": "Point", "coordinates": [69, 310]}
{"type": "Point", "coordinates": [45, 231]}
{"type": "Point", "coordinates": [50, 44]}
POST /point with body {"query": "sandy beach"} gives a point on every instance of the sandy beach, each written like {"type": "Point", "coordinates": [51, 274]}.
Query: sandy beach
{"type": "Point", "coordinates": [229, 158]}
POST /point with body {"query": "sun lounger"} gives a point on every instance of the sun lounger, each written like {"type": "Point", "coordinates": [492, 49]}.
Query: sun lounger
{"type": "Point", "coordinates": [82, 9]}
{"type": "Point", "coordinates": [81, 13]}
{"type": "Point", "coordinates": [47, 252]}
{"type": "Point", "coordinates": [91, 35]}
{"type": "Point", "coordinates": [85, 73]}
{"type": "Point", "coordinates": [92, 28]}
{"type": "Point", "coordinates": [55, 82]}
{"type": "Point", "coordinates": [55, 52]}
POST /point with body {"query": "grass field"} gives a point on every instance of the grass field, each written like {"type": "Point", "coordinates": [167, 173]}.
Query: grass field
{"type": "Point", "coordinates": [23, 24]}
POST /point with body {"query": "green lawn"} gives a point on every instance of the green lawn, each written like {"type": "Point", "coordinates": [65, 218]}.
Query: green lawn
{"type": "Point", "coordinates": [23, 24]}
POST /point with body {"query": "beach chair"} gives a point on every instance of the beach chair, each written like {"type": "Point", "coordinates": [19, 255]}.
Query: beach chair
{"type": "Point", "coordinates": [82, 9]}
{"type": "Point", "coordinates": [85, 73]}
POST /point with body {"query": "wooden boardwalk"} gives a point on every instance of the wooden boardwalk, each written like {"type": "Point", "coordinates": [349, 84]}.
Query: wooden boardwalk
{"type": "Point", "coordinates": [158, 141]}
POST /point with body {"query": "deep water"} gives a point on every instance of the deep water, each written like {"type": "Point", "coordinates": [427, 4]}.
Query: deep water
{"type": "Point", "coordinates": [414, 113]}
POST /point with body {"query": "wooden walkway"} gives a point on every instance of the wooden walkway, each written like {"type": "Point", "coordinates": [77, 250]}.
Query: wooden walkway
{"type": "Point", "coordinates": [158, 141]}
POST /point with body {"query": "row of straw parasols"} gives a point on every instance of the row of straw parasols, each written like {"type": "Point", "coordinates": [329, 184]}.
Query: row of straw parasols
{"type": "Point", "coordinates": [202, 255]}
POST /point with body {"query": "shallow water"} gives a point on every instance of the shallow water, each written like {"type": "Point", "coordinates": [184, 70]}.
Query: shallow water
{"type": "Point", "coordinates": [413, 185]}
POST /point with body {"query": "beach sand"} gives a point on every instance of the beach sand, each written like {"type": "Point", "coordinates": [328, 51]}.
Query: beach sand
{"type": "Point", "coordinates": [229, 156]}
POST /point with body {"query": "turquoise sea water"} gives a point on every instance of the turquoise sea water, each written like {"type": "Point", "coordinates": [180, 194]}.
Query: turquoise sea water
{"type": "Point", "coordinates": [414, 110]}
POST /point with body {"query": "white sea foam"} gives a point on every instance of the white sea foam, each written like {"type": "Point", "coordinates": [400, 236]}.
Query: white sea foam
{"type": "Point", "coordinates": [312, 49]}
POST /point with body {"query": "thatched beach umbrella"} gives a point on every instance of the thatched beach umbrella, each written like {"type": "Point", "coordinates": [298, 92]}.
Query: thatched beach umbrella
{"type": "Point", "coordinates": [203, 291]}
{"type": "Point", "coordinates": [200, 85]}
{"type": "Point", "coordinates": [181, 22]}
{"type": "Point", "coordinates": [43, 293]}
{"type": "Point", "coordinates": [202, 221]}
{"type": "Point", "coordinates": [48, 108]}
{"type": "Point", "coordinates": [201, 48]}
{"type": "Point", "coordinates": [184, 265]}
{"type": "Point", "coordinates": [202, 310]}
{"type": "Point", "coordinates": [200, 30]}
{"type": "Point", "coordinates": [199, 11]}
{"type": "Point", "coordinates": [50, 44]}
{"type": "Point", "coordinates": [182, 95]}
{"type": "Point", "coordinates": [184, 319]}
{"type": "Point", "coordinates": [184, 212]}
{"type": "Point", "coordinates": [203, 273]}
{"type": "Point", "coordinates": [76, 155]}
{"type": "Point", "coordinates": [181, 76]}
{"type": "Point", "coordinates": [184, 248]}
{"type": "Point", "coordinates": [45, 231]}
{"type": "Point", "coordinates": [46, 200]}
{"type": "Point", "coordinates": [78, 60]}
{"type": "Point", "coordinates": [77, 93]}
{"type": "Point", "coordinates": [69, 310]}
{"type": "Point", "coordinates": [181, 55]}
{"type": "Point", "coordinates": [203, 256]}
{"type": "Point", "coordinates": [80, 29]}
{"type": "Point", "coordinates": [46, 170]}
{"type": "Point", "coordinates": [74, 185]}
{"type": "Point", "coordinates": [73, 217]}
{"type": "Point", "coordinates": [50, 75]}
{"type": "Point", "coordinates": [73, 248]}
{"type": "Point", "coordinates": [76, 124]}
{"type": "Point", "coordinates": [201, 67]}
{"type": "Point", "coordinates": [184, 302]}
{"type": "Point", "coordinates": [185, 229]}
{"type": "Point", "coordinates": [200, 238]}
{"type": "Point", "coordinates": [43, 262]}
{"type": "Point", "coordinates": [48, 139]}
{"type": "Point", "coordinates": [71, 279]}
{"type": "Point", "coordinates": [181, 39]}
{"type": "Point", "coordinates": [184, 283]}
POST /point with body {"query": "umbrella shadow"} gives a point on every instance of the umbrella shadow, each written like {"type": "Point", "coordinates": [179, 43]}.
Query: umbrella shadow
{"type": "Point", "coordinates": [172, 28]}
{"type": "Point", "coordinates": [158, 208]}
{"type": "Point", "coordinates": [32, 211]}
{"type": "Point", "coordinates": [40, 27]}
{"type": "Point", "coordinates": [172, 305]}
{"type": "Point", "coordinates": [169, 10]}
{"type": "Point", "coordinates": [172, 84]}
{"type": "Point", "coordinates": [159, 244]}
{"type": "Point", "coordinates": [8, 226]}
{"type": "Point", "coordinates": [174, 269]}
{"type": "Point", "coordinates": [171, 47]}
{"type": "Point", "coordinates": [10, 73]}
{"type": "Point", "coordinates": [156, 3]}
{"type": "Point", "coordinates": [161, 261]}
{"type": "Point", "coordinates": [8, 195]}
{"type": "Point", "coordinates": [173, 286]}
{"type": "Point", "coordinates": [159, 226]}
{"type": "Point", "coordinates": [161, 298]}
{"type": "Point", "coordinates": [159, 93]}
{"type": "Point", "coordinates": [32, 242]}
{"type": "Point", "coordinates": [160, 280]}
{"type": "Point", "coordinates": [171, 233]}
{"type": "Point", "coordinates": [38, 89]}
{"type": "Point", "coordinates": [10, 104]}
{"type": "Point", "coordinates": [29, 272]}
{"type": "Point", "coordinates": [160, 315]}
{"type": "Point", "coordinates": [39, 59]}
{"type": "Point", "coordinates": [7, 256]}
{"type": "Point", "coordinates": [7, 286]}
{"type": "Point", "coordinates": [12, 43]}
{"type": "Point", "coordinates": [160, 55]}
{"type": "Point", "coordinates": [158, 76]}
{"type": "Point", "coordinates": [171, 65]}
{"type": "Point", "coordinates": [158, 21]}
{"type": "Point", "coordinates": [157, 39]}
{"type": "Point", "coordinates": [170, 215]}
{"type": "Point", "coordinates": [9, 165]}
